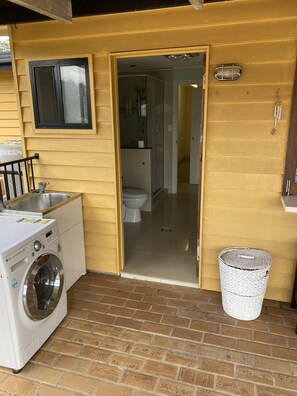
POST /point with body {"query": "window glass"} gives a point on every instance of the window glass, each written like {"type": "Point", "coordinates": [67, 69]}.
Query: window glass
{"type": "Point", "coordinates": [44, 284]}
{"type": "Point", "coordinates": [74, 93]}
{"type": "Point", "coordinates": [46, 95]}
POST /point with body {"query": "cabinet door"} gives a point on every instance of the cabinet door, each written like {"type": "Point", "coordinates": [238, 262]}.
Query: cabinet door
{"type": "Point", "coordinates": [67, 215]}
{"type": "Point", "coordinates": [70, 225]}
{"type": "Point", "coordinates": [74, 254]}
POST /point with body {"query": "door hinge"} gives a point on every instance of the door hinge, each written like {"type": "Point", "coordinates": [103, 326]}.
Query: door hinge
{"type": "Point", "coordinates": [198, 249]}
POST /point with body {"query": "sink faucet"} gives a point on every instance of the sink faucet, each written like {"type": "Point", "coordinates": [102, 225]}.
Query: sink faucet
{"type": "Point", "coordinates": [42, 186]}
{"type": "Point", "coordinates": [2, 205]}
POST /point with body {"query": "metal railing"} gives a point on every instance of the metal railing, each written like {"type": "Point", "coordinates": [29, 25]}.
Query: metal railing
{"type": "Point", "coordinates": [17, 177]}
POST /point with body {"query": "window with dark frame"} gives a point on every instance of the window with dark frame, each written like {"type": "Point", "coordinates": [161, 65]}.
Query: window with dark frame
{"type": "Point", "coordinates": [61, 93]}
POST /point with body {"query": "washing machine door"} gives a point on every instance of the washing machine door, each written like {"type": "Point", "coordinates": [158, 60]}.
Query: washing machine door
{"type": "Point", "coordinates": [43, 286]}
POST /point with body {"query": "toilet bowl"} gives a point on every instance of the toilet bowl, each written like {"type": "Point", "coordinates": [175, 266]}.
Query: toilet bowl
{"type": "Point", "coordinates": [133, 201]}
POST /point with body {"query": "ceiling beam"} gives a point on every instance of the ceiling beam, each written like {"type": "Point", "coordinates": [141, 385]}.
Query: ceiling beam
{"type": "Point", "coordinates": [12, 13]}
{"type": "Point", "coordinates": [55, 9]}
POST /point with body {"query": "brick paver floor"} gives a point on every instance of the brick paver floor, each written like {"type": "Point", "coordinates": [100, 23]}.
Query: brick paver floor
{"type": "Point", "coordinates": [126, 337]}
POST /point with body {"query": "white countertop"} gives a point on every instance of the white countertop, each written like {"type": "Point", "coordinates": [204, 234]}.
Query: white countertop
{"type": "Point", "coordinates": [289, 203]}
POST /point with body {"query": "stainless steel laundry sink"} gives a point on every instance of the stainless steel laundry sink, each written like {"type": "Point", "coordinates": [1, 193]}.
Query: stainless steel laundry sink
{"type": "Point", "coordinates": [35, 202]}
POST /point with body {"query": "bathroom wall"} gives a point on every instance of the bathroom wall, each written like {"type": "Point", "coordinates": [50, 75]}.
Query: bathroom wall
{"type": "Point", "coordinates": [141, 99]}
{"type": "Point", "coordinates": [170, 77]}
{"type": "Point", "coordinates": [133, 125]}
{"type": "Point", "coordinates": [189, 73]}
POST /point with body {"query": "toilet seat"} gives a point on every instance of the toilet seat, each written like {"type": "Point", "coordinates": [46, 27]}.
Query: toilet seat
{"type": "Point", "coordinates": [133, 193]}
{"type": "Point", "coordinates": [133, 201]}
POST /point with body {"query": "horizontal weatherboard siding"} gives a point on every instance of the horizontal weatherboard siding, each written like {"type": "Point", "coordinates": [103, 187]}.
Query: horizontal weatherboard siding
{"type": "Point", "coordinates": [243, 161]}
{"type": "Point", "coordinates": [9, 117]}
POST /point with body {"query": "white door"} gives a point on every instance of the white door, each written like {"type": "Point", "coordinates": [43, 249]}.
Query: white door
{"type": "Point", "coordinates": [195, 135]}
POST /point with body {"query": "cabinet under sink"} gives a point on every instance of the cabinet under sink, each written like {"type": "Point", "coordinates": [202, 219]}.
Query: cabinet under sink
{"type": "Point", "coordinates": [70, 225]}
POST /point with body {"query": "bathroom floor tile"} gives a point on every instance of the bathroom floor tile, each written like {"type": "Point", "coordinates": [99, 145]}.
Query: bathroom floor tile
{"type": "Point", "coordinates": [167, 255]}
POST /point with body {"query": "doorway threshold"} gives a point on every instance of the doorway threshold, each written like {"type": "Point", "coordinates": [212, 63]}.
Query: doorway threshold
{"type": "Point", "coordinates": [168, 281]}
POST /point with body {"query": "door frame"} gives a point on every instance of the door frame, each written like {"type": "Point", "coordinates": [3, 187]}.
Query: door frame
{"type": "Point", "coordinates": [113, 58]}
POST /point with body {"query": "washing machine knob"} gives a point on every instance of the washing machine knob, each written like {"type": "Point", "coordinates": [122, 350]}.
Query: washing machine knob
{"type": "Point", "coordinates": [37, 246]}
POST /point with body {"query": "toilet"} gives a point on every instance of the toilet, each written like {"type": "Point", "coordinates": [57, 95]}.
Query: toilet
{"type": "Point", "coordinates": [133, 201]}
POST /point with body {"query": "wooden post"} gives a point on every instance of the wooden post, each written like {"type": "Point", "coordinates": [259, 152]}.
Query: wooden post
{"type": "Point", "coordinates": [56, 9]}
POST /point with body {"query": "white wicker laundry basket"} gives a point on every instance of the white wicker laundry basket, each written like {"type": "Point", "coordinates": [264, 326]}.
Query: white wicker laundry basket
{"type": "Point", "coordinates": [244, 274]}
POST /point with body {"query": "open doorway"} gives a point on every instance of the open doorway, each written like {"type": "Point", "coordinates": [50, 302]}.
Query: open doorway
{"type": "Point", "coordinates": [163, 245]}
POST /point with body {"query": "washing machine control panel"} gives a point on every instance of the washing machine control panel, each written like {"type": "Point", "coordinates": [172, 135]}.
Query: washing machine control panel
{"type": "Point", "coordinates": [46, 240]}
{"type": "Point", "coordinates": [37, 246]}
{"type": "Point", "coordinates": [51, 237]}
{"type": "Point", "coordinates": [22, 256]}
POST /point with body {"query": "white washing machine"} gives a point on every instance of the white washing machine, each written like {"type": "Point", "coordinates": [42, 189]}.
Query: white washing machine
{"type": "Point", "coordinates": [32, 287]}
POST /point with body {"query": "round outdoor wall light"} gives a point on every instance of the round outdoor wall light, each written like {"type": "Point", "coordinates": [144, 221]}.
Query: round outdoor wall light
{"type": "Point", "coordinates": [228, 72]}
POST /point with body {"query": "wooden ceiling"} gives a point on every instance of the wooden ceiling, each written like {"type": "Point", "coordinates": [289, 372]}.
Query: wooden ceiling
{"type": "Point", "coordinates": [11, 13]}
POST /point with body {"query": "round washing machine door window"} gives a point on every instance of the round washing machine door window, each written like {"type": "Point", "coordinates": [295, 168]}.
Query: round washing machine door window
{"type": "Point", "coordinates": [43, 286]}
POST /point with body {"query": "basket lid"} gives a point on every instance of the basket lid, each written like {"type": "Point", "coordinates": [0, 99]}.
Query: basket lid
{"type": "Point", "coordinates": [246, 258]}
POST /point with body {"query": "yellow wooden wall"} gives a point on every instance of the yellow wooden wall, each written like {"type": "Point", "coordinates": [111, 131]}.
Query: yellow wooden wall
{"type": "Point", "coordinates": [244, 162]}
{"type": "Point", "coordinates": [9, 119]}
